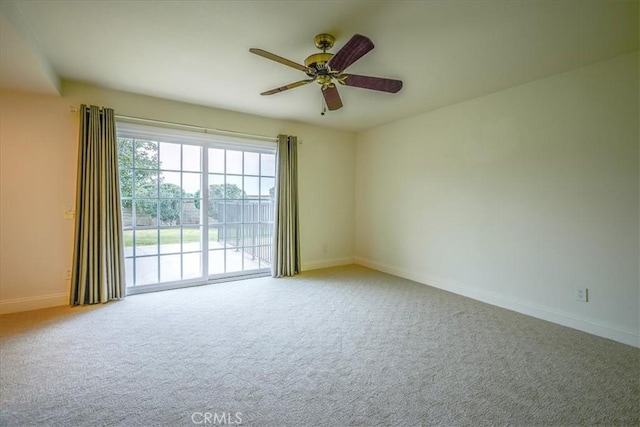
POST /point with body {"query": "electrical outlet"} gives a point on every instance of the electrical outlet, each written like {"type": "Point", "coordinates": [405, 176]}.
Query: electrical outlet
{"type": "Point", "coordinates": [582, 294]}
{"type": "Point", "coordinates": [325, 249]}
{"type": "Point", "coordinates": [67, 275]}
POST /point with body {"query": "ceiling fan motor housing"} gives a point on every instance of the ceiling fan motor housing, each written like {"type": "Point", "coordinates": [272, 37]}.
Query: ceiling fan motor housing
{"type": "Point", "coordinates": [318, 62]}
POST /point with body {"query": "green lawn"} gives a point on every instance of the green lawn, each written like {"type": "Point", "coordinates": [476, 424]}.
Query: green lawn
{"type": "Point", "coordinates": [167, 236]}
{"type": "Point", "coordinates": [189, 235]}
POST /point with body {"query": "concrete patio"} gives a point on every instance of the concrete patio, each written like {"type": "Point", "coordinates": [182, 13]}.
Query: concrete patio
{"type": "Point", "coordinates": [170, 265]}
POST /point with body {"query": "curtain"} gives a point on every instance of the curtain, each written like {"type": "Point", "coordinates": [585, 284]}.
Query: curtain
{"type": "Point", "coordinates": [98, 259]}
{"type": "Point", "coordinates": [286, 245]}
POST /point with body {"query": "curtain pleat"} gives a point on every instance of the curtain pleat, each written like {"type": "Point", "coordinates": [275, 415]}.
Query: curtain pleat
{"type": "Point", "coordinates": [98, 262]}
{"type": "Point", "coordinates": [286, 245]}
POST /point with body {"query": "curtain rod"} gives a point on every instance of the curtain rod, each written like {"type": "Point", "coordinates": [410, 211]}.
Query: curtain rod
{"type": "Point", "coordinates": [201, 128]}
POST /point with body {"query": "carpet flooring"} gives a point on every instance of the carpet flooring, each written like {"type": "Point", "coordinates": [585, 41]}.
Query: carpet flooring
{"type": "Point", "coordinates": [334, 347]}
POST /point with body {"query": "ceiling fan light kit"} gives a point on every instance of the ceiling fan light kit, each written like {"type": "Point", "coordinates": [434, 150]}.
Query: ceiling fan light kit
{"type": "Point", "coordinates": [326, 69]}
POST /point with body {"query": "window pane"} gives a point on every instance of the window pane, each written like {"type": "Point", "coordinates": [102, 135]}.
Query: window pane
{"type": "Point", "coordinates": [190, 214]}
{"type": "Point", "coordinates": [216, 262]}
{"type": "Point", "coordinates": [268, 164]}
{"type": "Point", "coordinates": [250, 234]}
{"type": "Point", "coordinates": [146, 155]}
{"type": "Point", "coordinates": [191, 158]}
{"type": "Point", "coordinates": [264, 256]}
{"type": "Point", "coordinates": [126, 182]}
{"type": "Point", "coordinates": [234, 260]}
{"type": "Point", "coordinates": [216, 210]}
{"type": "Point", "coordinates": [191, 266]}
{"type": "Point", "coordinates": [125, 153]}
{"type": "Point", "coordinates": [170, 182]}
{"type": "Point", "coordinates": [128, 242]}
{"type": "Point", "coordinates": [233, 235]}
{"type": "Point", "coordinates": [251, 163]}
{"type": "Point", "coordinates": [191, 183]}
{"type": "Point", "coordinates": [215, 237]}
{"type": "Point", "coordinates": [234, 162]}
{"type": "Point", "coordinates": [216, 186]}
{"type": "Point", "coordinates": [170, 211]}
{"type": "Point", "coordinates": [169, 156]}
{"type": "Point", "coordinates": [146, 270]}
{"type": "Point", "coordinates": [169, 240]}
{"type": "Point", "coordinates": [127, 212]}
{"type": "Point", "coordinates": [251, 187]}
{"type": "Point", "coordinates": [145, 183]}
{"type": "Point", "coordinates": [232, 211]}
{"type": "Point", "coordinates": [128, 270]}
{"type": "Point", "coordinates": [146, 212]}
{"type": "Point", "coordinates": [191, 239]}
{"type": "Point", "coordinates": [216, 160]}
{"type": "Point", "coordinates": [265, 233]}
{"type": "Point", "coordinates": [266, 211]}
{"type": "Point", "coordinates": [267, 186]}
{"type": "Point", "coordinates": [251, 211]}
{"type": "Point", "coordinates": [197, 204]}
{"type": "Point", "coordinates": [251, 258]}
{"type": "Point", "coordinates": [146, 241]}
{"type": "Point", "coordinates": [170, 268]}
{"type": "Point", "coordinates": [234, 187]}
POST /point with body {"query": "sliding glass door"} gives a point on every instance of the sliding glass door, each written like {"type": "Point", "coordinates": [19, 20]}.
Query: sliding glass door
{"type": "Point", "coordinates": [175, 233]}
{"type": "Point", "coordinates": [240, 207]}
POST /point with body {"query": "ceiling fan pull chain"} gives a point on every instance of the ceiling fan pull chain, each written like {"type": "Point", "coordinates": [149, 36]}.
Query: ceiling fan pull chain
{"type": "Point", "coordinates": [323, 105]}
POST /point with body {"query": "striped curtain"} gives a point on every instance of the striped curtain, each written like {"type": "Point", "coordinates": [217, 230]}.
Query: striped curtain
{"type": "Point", "coordinates": [286, 245]}
{"type": "Point", "coordinates": [98, 259]}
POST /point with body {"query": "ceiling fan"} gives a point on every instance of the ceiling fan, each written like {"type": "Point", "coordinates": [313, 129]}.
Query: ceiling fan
{"type": "Point", "coordinates": [327, 68]}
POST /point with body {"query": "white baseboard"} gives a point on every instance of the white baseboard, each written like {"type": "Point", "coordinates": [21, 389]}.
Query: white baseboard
{"type": "Point", "coordinates": [33, 303]}
{"type": "Point", "coordinates": [326, 263]}
{"type": "Point", "coordinates": [524, 307]}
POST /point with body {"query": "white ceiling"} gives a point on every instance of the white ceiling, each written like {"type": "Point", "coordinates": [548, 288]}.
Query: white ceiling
{"type": "Point", "coordinates": [198, 51]}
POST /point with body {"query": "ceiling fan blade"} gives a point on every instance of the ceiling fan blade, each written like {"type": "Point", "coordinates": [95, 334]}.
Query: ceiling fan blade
{"type": "Point", "coordinates": [373, 83]}
{"type": "Point", "coordinates": [287, 87]}
{"type": "Point", "coordinates": [331, 97]}
{"type": "Point", "coordinates": [355, 49]}
{"type": "Point", "coordinates": [280, 59]}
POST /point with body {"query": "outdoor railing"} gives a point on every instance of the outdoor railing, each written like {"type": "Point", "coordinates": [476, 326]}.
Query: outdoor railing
{"type": "Point", "coordinates": [248, 226]}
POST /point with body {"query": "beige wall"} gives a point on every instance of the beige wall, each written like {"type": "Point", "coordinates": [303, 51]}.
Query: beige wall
{"type": "Point", "coordinates": [39, 143]}
{"type": "Point", "coordinates": [516, 198]}
{"type": "Point", "coordinates": [38, 152]}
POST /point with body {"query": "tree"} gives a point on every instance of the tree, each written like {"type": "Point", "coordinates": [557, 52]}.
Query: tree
{"type": "Point", "coordinates": [146, 162]}
{"type": "Point", "coordinates": [145, 182]}
{"type": "Point", "coordinates": [216, 194]}
{"type": "Point", "coordinates": [169, 206]}
{"type": "Point", "coordinates": [170, 203]}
